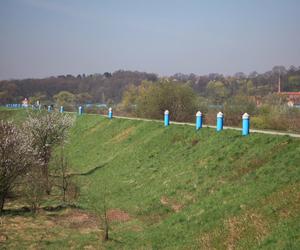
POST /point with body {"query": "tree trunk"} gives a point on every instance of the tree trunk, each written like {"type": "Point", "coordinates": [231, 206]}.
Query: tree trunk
{"type": "Point", "coordinates": [2, 200]}
{"type": "Point", "coordinates": [105, 231]}
{"type": "Point", "coordinates": [46, 177]}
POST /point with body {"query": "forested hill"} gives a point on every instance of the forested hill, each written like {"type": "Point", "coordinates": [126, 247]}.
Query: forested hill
{"type": "Point", "coordinates": [94, 88]}
{"type": "Point", "coordinates": [109, 87]}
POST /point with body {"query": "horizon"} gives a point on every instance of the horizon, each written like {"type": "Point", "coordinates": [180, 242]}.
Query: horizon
{"type": "Point", "coordinates": [42, 38]}
{"type": "Point", "coordinates": [160, 76]}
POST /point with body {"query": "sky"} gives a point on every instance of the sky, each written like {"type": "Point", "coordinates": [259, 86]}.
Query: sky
{"type": "Point", "coordinates": [41, 38]}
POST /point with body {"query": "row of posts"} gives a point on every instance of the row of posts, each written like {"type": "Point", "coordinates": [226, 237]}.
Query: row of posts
{"type": "Point", "coordinates": [199, 120]}
{"type": "Point", "coordinates": [220, 122]}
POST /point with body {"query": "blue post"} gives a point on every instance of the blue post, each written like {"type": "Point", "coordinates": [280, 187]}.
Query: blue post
{"type": "Point", "coordinates": [110, 113]}
{"type": "Point", "coordinates": [167, 118]}
{"type": "Point", "coordinates": [49, 108]}
{"type": "Point", "coordinates": [198, 120]}
{"type": "Point", "coordinates": [61, 109]}
{"type": "Point", "coordinates": [246, 124]}
{"type": "Point", "coordinates": [80, 110]}
{"type": "Point", "coordinates": [220, 120]}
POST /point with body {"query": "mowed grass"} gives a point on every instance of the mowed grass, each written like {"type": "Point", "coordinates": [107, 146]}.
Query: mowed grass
{"type": "Point", "coordinates": [185, 189]}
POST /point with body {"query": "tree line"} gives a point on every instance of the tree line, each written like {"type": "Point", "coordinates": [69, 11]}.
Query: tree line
{"type": "Point", "coordinates": [109, 87]}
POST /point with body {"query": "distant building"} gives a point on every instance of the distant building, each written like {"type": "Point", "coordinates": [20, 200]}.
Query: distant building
{"type": "Point", "coordinates": [25, 103]}
{"type": "Point", "coordinates": [292, 97]}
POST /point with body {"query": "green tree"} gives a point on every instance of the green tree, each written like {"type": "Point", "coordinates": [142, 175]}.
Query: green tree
{"type": "Point", "coordinates": [154, 98]}
{"type": "Point", "coordinates": [83, 98]}
{"type": "Point", "coordinates": [64, 98]}
{"type": "Point", "coordinates": [129, 99]}
{"type": "Point", "coordinates": [217, 91]}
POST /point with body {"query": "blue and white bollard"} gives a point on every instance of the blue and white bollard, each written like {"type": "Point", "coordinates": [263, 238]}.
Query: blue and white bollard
{"type": "Point", "coordinates": [49, 108]}
{"type": "Point", "coordinates": [61, 110]}
{"type": "Point", "coordinates": [110, 113]}
{"type": "Point", "coordinates": [246, 124]}
{"type": "Point", "coordinates": [80, 110]}
{"type": "Point", "coordinates": [198, 120]}
{"type": "Point", "coordinates": [167, 118]}
{"type": "Point", "coordinates": [220, 120]}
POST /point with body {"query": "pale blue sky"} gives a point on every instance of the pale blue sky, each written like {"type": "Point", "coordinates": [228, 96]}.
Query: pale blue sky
{"type": "Point", "coordinates": [40, 38]}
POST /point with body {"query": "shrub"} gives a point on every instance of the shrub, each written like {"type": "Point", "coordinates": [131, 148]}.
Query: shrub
{"type": "Point", "coordinates": [154, 98]}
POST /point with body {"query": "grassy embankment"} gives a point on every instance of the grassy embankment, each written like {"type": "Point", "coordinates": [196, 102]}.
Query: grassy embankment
{"type": "Point", "coordinates": [177, 188]}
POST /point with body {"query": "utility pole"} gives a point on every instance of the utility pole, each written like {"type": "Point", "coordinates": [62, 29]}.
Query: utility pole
{"type": "Point", "coordinates": [279, 84]}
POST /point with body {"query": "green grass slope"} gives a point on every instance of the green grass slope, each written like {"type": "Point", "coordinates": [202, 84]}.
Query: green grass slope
{"type": "Point", "coordinates": [186, 189]}
{"type": "Point", "coordinates": [175, 188]}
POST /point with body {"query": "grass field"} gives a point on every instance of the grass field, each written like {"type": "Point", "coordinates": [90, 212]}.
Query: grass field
{"type": "Point", "coordinates": [171, 188]}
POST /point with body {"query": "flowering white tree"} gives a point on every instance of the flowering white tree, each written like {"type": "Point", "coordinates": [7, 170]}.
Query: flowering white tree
{"type": "Point", "coordinates": [16, 157]}
{"type": "Point", "coordinates": [45, 131]}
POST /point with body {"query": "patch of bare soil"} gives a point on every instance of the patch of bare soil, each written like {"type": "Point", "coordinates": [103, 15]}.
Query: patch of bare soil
{"type": "Point", "coordinates": [176, 207]}
{"type": "Point", "coordinates": [250, 223]}
{"type": "Point", "coordinates": [117, 215]}
{"type": "Point", "coordinates": [3, 238]}
{"type": "Point", "coordinates": [83, 221]}
{"type": "Point", "coordinates": [207, 240]}
{"type": "Point", "coordinates": [32, 228]}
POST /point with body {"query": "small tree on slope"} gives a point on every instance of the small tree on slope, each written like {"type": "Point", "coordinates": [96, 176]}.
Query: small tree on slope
{"type": "Point", "coordinates": [47, 130]}
{"type": "Point", "coordinates": [16, 157]}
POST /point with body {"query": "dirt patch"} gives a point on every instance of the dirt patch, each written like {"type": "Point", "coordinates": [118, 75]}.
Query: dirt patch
{"type": "Point", "coordinates": [85, 222]}
{"type": "Point", "coordinates": [123, 135]}
{"type": "Point", "coordinates": [3, 238]}
{"type": "Point", "coordinates": [285, 202]}
{"type": "Point", "coordinates": [164, 200]}
{"type": "Point", "coordinates": [176, 207]}
{"type": "Point", "coordinates": [36, 230]}
{"type": "Point", "coordinates": [249, 225]}
{"type": "Point", "coordinates": [117, 215]}
{"type": "Point", "coordinates": [206, 241]}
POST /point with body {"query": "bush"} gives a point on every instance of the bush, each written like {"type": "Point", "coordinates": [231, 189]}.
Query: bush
{"type": "Point", "coordinates": [236, 107]}
{"type": "Point", "coordinates": [278, 117]}
{"type": "Point", "coordinates": [16, 157]}
{"type": "Point", "coordinates": [150, 100]}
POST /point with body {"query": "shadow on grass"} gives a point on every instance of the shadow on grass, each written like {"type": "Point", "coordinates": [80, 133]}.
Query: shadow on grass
{"type": "Point", "coordinates": [91, 171]}
{"type": "Point", "coordinates": [27, 211]}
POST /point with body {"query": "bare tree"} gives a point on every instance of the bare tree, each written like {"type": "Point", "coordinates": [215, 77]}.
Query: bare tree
{"type": "Point", "coordinates": [61, 167]}
{"type": "Point", "coordinates": [102, 207]}
{"type": "Point", "coordinates": [16, 157]}
{"type": "Point", "coordinates": [34, 188]}
{"type": "Point", "coordinates": [47, 130]}
{"type": "Point", "coordinates": [104, 217]}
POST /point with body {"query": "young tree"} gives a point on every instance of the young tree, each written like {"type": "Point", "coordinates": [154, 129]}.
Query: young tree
{"type": "Point", "coordinates": [47, 130]}
{"type": "Point", "coordinates": [154, 98]}
{"type": "Point", "coordinates": [61, 170]}
{"type": "Point", "coordinates": [34, 187]}
{"type": "Point", "coordinates": [129, 99]}
{"type": "Point", "coordinates": [217, 91]}
{"type": "Point", "coordinates": [65, 98]}
{"type": "Point", "coordinates": [16, 157]}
